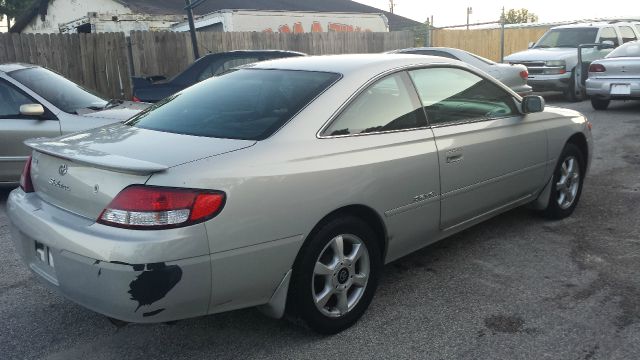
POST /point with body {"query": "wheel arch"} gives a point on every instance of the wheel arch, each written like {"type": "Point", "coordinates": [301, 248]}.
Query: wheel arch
{"type": "Point", "coordinates": [366, 213]}
{"type": "Point", "coordinates": [580, 140]}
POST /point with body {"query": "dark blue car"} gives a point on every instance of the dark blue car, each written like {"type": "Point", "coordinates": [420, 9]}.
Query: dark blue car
{"type": "Point", "coordinates": [155, 88]}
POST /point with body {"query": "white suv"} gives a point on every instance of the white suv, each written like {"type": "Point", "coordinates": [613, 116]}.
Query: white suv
{"type": "Point", "coordinates": [552, 60]}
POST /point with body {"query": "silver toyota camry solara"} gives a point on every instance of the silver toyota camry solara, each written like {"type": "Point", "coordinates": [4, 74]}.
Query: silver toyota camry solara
{"type": "Point", "coordinates": [287, 185]}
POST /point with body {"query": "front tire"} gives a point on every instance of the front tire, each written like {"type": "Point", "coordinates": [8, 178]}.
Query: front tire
{"type": "Point", "coordinates": [599, 103]}
{"type": "Point", "coordinates": [335, 275]}
{"type": "Point", "coordinates": [568, 178]}
{"type": "Point", "coordinates": [570, 93]}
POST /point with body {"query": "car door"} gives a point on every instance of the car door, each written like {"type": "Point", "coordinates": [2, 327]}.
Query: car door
{"type": "Point", "coordinates": [384, 128]}
{"type": "Point", "coordinates": [490, 155]}
{"type": "Point", "coordinates": [16, 128]}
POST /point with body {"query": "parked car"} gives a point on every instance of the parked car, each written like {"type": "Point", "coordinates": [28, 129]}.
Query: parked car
{"type": "Point", "coordinates": [287, 185]}
{"type": "Point", "coordinates": [155, 88]}
{"type": "Point", "coordinates": [552, 60]}
{"type": "Point", "coordinates": [37, 102]}
{"type": "Point", "coordinates": [616, 77]}
{"type": "Point", "coordinates": [514, 76]}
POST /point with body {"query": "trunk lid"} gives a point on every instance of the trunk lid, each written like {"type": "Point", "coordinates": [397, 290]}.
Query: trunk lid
{"type": "Point", "coordinates": [83, 172]}
{"type": "Point", "coordinates": [620, 68]}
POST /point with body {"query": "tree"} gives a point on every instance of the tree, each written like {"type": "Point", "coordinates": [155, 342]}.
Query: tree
{"type": "Point", "coordinates": [521, 16]}
{"type": "Point", "coordinates": [13, 9]}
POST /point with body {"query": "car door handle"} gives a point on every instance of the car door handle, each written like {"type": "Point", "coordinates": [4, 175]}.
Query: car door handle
{"type": "Point", "coordinates": [454, 158]}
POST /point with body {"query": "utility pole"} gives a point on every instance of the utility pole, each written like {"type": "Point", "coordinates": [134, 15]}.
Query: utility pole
{"type": "Point", "coordinates": [192, 27]}
{"type": "Point", "coordinates": [469, 12]}
{"type": "Point", "coordinates": [502, 21]}
{"type": "Point", "coordinates": [391, 6]}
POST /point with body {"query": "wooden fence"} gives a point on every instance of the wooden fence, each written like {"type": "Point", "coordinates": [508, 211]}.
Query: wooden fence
{"type": "Point", "coordinates": [168, 53]}
{"type": "Point", "coordinates": [104, 62]}
{"type": "Point", "coordinates": [96, 61]}
{"type": "Point", "coordinates": [486, 42]}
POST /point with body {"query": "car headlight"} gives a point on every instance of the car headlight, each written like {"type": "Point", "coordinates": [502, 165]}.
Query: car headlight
{"type": "Point", "coordinates": [555, 63]}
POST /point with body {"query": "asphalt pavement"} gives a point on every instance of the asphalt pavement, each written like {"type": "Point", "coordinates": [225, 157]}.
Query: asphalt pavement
{"type": "Point", "coordinates": [514, 287]}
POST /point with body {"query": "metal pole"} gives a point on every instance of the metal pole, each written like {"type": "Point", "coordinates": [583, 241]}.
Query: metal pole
{"type": "Point", "coordinates": [468, 18]}
{"type": "Point", "coordinates": [502, 20]}
{"type": "Point", "coordinates": [192, 29]}
{"type": "Point", "coordinates": [431, 31]}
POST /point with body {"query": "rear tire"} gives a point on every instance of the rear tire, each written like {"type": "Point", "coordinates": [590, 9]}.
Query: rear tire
{"type": "Point", "coordinates": [599, 103]}
{"type": "Point", "coordinates": [566, 185]}
{"type": "Point", "coordinates": [335, 275]}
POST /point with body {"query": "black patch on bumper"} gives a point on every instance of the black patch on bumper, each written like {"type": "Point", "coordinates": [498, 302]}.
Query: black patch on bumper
{"type": "Point", "coordinates": [154, 284]}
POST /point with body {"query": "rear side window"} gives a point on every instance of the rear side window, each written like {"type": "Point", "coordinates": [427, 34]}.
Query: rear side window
{"type": "Point", "coordinates": [609, 34]}
{"type": "Point", "coordinates": [215, 68]}
{"type": "Point", "coordinates": [247, 104]}
{"type": "Point", "coordinates": [387, 105]}
{"type": "Point", "coordinates": [627, 34]}
{"type": "Point", "coordinates": [452, 95]}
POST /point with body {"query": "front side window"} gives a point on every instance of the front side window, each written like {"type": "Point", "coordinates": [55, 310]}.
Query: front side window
{"type": "Point", "coordinates": [10, 101]}
{"type": "Point", "coordinates": [387, 105]}
{"type": "Point", "coordinates": [609, 34]}
{"type": "Point", "coordinates": [453, 95]}
{"type": "Point", "coordinates": [631, 49]}
{"type": "Point", "coordinates": [246, 104]}
{"type": "Point", "coordinates": [56, 89]}
{"type": "Point", "coordinates": [627, 34]}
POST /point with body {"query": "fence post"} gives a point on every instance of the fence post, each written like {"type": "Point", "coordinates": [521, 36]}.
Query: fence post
{"type": "Point", "coordinates": [132, 69]}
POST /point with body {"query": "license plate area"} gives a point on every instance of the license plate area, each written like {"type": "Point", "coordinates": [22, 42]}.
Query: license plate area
{"type": "Point", "coordinates": [44, 254]}
{"type": "Point", "coordinates": [620, 89]}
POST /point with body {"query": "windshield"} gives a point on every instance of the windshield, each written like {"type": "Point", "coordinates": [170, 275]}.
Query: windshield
{"type": "Point", "coordinates": [567, 38]}
{"type": "Point", "coordinates": [247, 104]}
{"type": "Point", "coordinates": [630, 49]}
{"type": "Point", "coordinates": [58, 90]}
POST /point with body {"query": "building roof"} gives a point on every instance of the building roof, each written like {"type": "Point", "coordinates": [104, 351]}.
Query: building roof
{"type": "Point", "coordinates": [170, 7]}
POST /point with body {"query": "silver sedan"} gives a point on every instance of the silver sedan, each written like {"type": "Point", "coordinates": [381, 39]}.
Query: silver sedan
{"type": "Point", "coordinates": [37, 102]}
{"type": "Point", "coordinates": [513, 75]}
{"type": "Point", "coordinates": [289, 188]}
{"type": "Point", "coordinates": [616, 77]}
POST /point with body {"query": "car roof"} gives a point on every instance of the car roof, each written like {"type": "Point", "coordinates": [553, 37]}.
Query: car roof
{"type": "Point", "coordinates": [592, 24]}
{"type": "Point", "coordinates": [347, 64]}
{"type": "Point", "coordinates": [252, 52]}
{"type": "Point", "coordinates": [10, 67]}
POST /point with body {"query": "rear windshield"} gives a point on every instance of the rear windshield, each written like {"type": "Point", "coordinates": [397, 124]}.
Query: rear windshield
{"type": "Point", "coordinates": [630, 49]}
{"type": "Point", "coordinates": [568, 37]}
{"type": "Point", "coordinates": [247, 104]}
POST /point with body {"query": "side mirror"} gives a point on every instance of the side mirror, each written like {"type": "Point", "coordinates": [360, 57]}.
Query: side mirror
{"type": "Point", "coordinates": [532, 104]}
{"type": "Point", "coordinates": [607, 44]}
{"type": "Point", "coordinates": [31, 110]}
{"type": "Point", "coordinates": [531, 43]}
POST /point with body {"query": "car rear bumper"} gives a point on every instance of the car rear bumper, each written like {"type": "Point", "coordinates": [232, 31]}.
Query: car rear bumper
{"type": "Point", "coordinates": [602, 88]}
{"type": "Point", "coordinates": [113, 271]}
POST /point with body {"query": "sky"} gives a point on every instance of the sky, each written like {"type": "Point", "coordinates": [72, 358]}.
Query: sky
{"type": "Point", "coordinates": [454, 12]}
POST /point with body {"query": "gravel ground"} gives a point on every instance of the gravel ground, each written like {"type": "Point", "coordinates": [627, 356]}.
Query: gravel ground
{"type": "Point", "coordinates": [515, 287]}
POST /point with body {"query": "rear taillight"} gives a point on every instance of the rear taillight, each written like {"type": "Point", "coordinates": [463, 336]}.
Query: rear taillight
{"type": "Point", "coordinates": [152, 207]}
{"type": "Point", "coordinates": [25, 179]}
{"type": "Point", "coordinates": [597, 68]}
{"type": "Point", "coordinates": [136, 99]}
{"type": "Point", "coordinates": [524, 74]}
